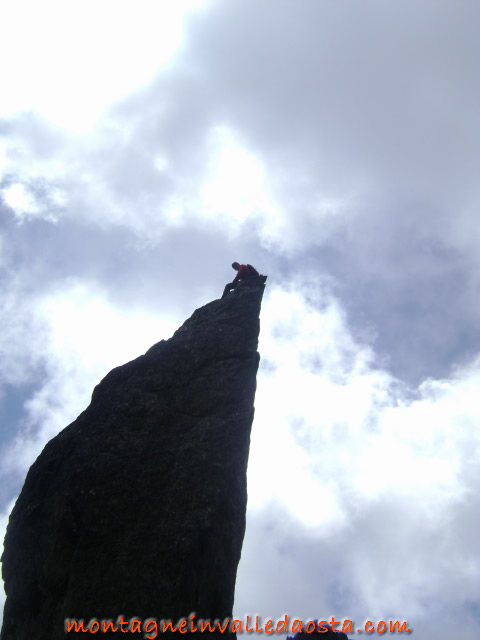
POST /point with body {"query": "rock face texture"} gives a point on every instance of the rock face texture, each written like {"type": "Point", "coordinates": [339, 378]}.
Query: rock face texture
{"type": "Point", "coordinates": [138, 507]}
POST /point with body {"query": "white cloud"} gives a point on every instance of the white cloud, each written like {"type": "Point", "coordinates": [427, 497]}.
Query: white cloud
{"type": "Point", "coordinates": [25, 204]}
{"type": "Point", "coordinates": [71, 61]}
{"type": "Point", "coordinates": [20, 338]}
{"type": "Point", "coordinates": [235, 186]}
{"type": "Point", "coordinates": [385, 476]}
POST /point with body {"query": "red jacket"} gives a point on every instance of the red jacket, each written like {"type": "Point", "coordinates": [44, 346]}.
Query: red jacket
{"type": "Point", "coordinates": [243, 272]}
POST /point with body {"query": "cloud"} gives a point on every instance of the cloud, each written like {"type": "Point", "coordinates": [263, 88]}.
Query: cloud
{"type": "Point", "coordinates": [362, 491]}
{"type": "Point", "coordinates": [328, 151]}
{"type": "Point", "coordinates": [71, 70]}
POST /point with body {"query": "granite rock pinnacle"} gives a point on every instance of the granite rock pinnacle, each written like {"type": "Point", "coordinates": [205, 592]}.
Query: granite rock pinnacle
{"type": "Point", "coordinates": [137, 508]}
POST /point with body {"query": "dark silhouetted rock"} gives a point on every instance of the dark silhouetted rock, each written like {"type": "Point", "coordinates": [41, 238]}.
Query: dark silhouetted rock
{"type": "Point", "coordinates": [138, 507]}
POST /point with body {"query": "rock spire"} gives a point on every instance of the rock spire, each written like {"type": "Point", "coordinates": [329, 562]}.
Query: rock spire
{"type": "Point", "coordinates": [138, 507]}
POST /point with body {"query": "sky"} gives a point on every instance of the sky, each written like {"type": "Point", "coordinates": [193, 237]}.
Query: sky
{"type": "Point", "coordinates": [335, 146]}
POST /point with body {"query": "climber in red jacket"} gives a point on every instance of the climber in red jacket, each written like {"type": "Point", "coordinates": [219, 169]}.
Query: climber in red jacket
{"type": "Point", "coordinates": [244, 271]}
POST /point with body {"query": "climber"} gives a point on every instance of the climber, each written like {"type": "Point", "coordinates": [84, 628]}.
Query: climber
{"type": "Point", "coordinates": [244, 272]}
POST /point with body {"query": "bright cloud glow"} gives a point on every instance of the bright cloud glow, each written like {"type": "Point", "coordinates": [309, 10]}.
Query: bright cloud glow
{"type": "Point", "coordinates": [236, 185]}
{"type": "Point", "coordinates": [20, 200]}
{"type": "Point", "coordinates": [25, 204]}
{"type": "Point", "coordinates": [345, 438]}
{"type": "Point", "coordinates": [70, 61]}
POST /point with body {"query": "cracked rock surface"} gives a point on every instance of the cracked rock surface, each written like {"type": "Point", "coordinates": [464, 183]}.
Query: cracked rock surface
{"type": "Point", "coordinates": [138, 507]}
